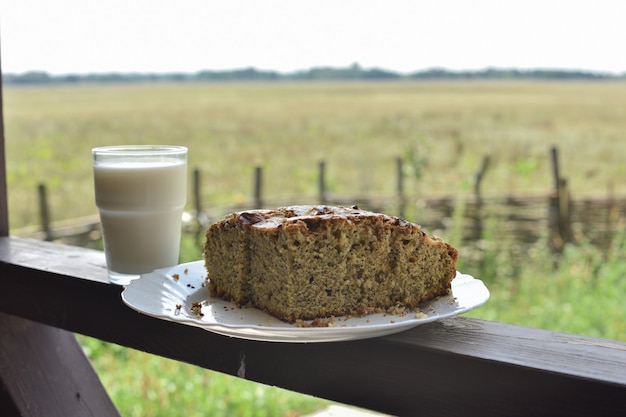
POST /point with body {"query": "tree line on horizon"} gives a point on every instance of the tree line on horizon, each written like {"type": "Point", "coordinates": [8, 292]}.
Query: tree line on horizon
{"type": "Point", "coordinates": [351, 73]}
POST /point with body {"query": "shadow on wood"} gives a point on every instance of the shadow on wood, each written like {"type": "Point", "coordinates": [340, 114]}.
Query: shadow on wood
{"type": "Point", "coordinates": [44, 372]}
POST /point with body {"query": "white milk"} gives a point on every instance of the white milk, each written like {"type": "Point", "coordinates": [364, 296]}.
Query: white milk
{"type": "Point", "coordinates": [140, 208]}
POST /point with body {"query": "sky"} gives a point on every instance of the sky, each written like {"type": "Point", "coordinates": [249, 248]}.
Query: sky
{"type": "Point", "coordinates": [157, 36]}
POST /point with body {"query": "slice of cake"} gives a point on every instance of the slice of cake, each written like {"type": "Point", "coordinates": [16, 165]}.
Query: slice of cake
{"type": "Point", "coordinates": [313, 262]}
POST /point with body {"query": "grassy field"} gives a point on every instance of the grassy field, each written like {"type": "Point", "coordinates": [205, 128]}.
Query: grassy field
{"type": "Point", "coordinates": [151, 386]}
{"type": "Point", "coordinates": [359, 129]}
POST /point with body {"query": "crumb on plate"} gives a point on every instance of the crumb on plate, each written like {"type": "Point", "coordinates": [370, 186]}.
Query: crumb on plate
{"type": "Point", "coordinates": [196, 309]}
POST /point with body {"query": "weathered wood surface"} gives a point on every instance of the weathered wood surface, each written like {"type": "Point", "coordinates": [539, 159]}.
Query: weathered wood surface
{"type": "Point", "coordinates": [4, 203]}
{"type": "Point", "coordinates": [458, 366]}
{"type": "Point", "coordinates": [44, 372]}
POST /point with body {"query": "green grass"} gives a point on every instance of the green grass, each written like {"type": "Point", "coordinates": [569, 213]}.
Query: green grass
{"type": "Point", "coordinates": [582, 294]}
{"type": "Point", "coordinates": [359, 129]}
{"type": "Point", "coordinates": [146, 385]}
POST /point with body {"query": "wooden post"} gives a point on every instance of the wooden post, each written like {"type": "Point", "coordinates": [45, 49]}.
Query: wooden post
{"type": "Point", "coordinates": [258, 184]}
{"type": "Point", "coordinates": [322, 182]}
{"type": "Point", "coordinates": [44, 372]}
{"type": "Point", "coordinates": [197, 204]}
{"type": "Point", "coordinates": [4, 205]}
{"type": "Point", "coordinates": [554, 208]}
{"type": "Point", "coordinates": [201, 219]}
{"type": "Point", "coordinates": [559, 208]}
{"type": "Point", "coordinates": [554, 152]}
{"type": "Point", "coordinates": [612, 216]}
{"type": "Point", "coordinates": [400, 186]}
{"type": "Point", "coordinates": [44, 212]}
{"type": "Point", "coordinates": [478, 199]}
{"type": "Point", "coordinates": [479, 177]}
{"type": "Point", "coordinates": [400, 176]}
{"type": "Point", "coordinates": [565, 229]}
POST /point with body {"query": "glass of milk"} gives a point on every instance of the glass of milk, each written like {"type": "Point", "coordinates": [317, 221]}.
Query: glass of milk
{"type": "Point", "coordinates": [141, 191]}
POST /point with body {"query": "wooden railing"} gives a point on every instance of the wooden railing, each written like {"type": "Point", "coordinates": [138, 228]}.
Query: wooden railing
{"type": "Point", "coordinates": [458, 366]}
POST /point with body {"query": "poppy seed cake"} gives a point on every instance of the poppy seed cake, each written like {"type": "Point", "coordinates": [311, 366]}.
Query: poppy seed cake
{"type": "Point", "coordinates": [312, 262]}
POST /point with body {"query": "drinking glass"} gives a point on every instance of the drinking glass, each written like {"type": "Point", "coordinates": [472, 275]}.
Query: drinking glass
{"type": "Point", "coordinates": [140, 191]}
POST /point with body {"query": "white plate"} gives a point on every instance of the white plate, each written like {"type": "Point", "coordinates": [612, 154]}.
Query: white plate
{"type": "Point", "coordinates": [170, 293]}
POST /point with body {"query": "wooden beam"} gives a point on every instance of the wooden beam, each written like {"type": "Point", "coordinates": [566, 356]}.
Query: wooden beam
{"type": "Point", "coordinates": [258, 186]}
{"type": "Point", "coordinates": [44, 372]}
{"type": "Point", "coordinates": [321, 182]}
{"type": "Point", "coordinates": [4, 203]}
{"type": "Point", "coordinates": [458, 366]}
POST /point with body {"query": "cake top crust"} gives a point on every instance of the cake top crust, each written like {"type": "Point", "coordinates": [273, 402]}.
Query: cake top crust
{"type": "Point", "coordinates": [311, 215]}
{"type": "Point", "coordinates": [263, 219]}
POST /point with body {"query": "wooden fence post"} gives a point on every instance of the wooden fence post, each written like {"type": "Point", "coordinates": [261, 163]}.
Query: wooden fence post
{"type": "Point", "coordinates": [197, 203]}
{"type": "Point", "coordinates": [44, 211]}
{"type": "Point", "coordinates": [612, 214]}
{"type": "Point", "coordinates": [565, 228]}
{"type": "Point", "coordinates": [556, 240]}
{"type": "Point", "coordinates": [4, 203]}
{"type": "Point", "coordinates": [400, 186]}
{"type": "Point", "coordinates": [202, 220]}
{"type": "Point", "coordinates": [258, 185]}
{"type": "Point", "coordinates": [479, 177]}
{"type": "Point", "coordinates": [322, 182]}
{"type": "Point", "coordinates": [559, 208]}
{"type": "Point", "coordinates": [478, 199]}
{"type": "Point", "coordinates": [556, 176]}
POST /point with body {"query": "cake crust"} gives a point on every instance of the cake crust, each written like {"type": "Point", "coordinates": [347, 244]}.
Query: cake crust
{"type": "Point", "coordinates": [315, 262]}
